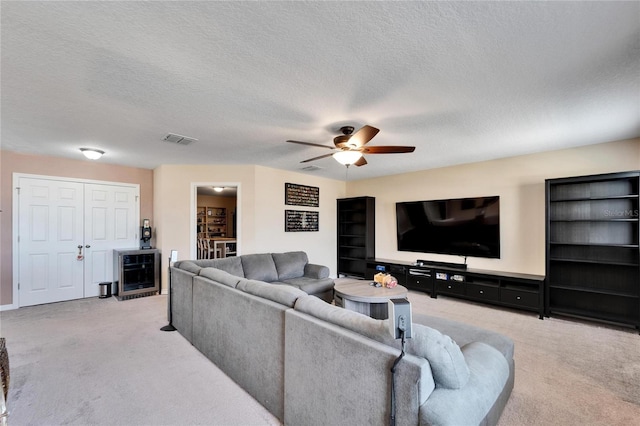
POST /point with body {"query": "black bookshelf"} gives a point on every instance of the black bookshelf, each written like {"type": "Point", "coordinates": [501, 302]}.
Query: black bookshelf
{"type": "Point", "coordinates": [356, 234]}
{"type": "Point", "coordinates": [592, 247]}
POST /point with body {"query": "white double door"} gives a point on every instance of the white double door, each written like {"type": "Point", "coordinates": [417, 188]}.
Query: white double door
{"type": "Point", "coordinates": [67, 230]}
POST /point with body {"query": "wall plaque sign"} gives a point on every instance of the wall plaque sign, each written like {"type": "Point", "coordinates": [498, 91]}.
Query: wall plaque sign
{"type": "Point", "coordinates": [300, 221]}
{"type": "Point", "coordinates": [301, 195]}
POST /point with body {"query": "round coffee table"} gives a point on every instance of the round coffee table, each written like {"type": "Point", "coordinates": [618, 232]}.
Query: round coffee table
{"type": "Point", "coordinates": [360, 296]}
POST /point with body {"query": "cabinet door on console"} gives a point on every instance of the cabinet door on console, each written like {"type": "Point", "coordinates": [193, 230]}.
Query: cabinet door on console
{"type": "Point", "coordinates": [420, 279]}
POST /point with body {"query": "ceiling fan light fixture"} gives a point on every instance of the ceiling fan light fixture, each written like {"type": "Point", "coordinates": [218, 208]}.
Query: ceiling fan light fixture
{"type": "Point", "coordinates": [92, 154]}
{"type": "Point", "coordinates": [347, 158]}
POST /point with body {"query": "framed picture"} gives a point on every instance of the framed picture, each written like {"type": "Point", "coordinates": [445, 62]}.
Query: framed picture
{"type": "Point", "coordinates": [300, 221]}
{"type": "Point", "coordinates": [301, 195]}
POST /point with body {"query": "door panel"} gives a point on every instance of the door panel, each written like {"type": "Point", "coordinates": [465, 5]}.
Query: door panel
{"type": "Point", "coordinates": [111, 213]}
{"type": "Point", "coordinates": [50, 228]}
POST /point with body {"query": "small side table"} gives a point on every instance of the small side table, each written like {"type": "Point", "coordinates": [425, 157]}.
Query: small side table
{"type": "Point", "coordinates": [360, 296]}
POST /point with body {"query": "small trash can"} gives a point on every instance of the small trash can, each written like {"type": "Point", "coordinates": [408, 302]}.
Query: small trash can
{"type": "Point", "coordinates": [105, 290]}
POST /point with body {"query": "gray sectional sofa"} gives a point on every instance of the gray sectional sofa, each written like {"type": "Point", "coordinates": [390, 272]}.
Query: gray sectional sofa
{"type": "Point", "coordinates": [312, 363]}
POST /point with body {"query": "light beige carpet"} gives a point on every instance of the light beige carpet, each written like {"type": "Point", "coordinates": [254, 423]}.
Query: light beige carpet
{"type": "Point", "coordinates": [101, 361]}
{"type": "Point", "coordinates": [106, 362]}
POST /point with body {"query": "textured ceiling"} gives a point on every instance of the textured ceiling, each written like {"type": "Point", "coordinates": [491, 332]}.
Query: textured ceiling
{"type": "Point", "coordinates": [462, 81]}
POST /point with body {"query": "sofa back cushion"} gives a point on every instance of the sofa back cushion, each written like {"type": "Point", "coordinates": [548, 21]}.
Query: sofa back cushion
{"type": "Point", "coordinates": [259, 267]}
{"type": "Point", "coordinates": [448, 366]}
{"type": "Point", "coordinates": [290, 264]}
{"type": "Point", "coordinates": [188, 266]}
{"type": "Point", "coordinates": [283, 294]}
{"type": "Point", "coordinates": [220, 276]}
{"type": "Point", "coordinates": [353, 321]}
{"type": "Point", "coordinates": [232, 265]}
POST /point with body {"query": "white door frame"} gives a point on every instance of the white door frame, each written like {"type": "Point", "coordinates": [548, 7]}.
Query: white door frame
{"type": "Point", "coordinates": [15, 302]}
{"type": "Point", "coordinates": [193, 243]}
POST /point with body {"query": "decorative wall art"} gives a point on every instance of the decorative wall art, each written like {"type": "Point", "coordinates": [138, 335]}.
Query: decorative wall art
{"type": "Point", "coordinates": [300, 221]}
{"type": "Point", "coordinates": [301, 195]}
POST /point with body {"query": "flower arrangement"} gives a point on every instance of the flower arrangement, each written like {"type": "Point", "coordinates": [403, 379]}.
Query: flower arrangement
{"type": "Point", "coordinates": [390, 281]}
{"type": "Point", "coordinates": [386, 280]}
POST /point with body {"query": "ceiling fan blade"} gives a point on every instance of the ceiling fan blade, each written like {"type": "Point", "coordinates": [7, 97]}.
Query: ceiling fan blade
{"type": "Point", "coordinates": [360, 162]}
{"type": "Point", "coordinates": [387, 149]}
{"type": "Point", "coordinates": [311, 144]}
{"type": "Point", "coordinates": [362, 136]}
{"type": "Point", "coordinates": [317, 158]}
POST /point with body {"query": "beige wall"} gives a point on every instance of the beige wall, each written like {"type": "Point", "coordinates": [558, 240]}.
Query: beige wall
{"type": "Point", "coordinates": [520, 183]}
{"type": "Point", "coordinates": [260, 210]}
{"type": "Point", "coordinates": [11, 162]}
{"type": "Point", "coordinates": [320, 246]}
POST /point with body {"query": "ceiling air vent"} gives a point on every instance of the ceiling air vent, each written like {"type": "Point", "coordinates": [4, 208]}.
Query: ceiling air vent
{"type": "Point", "coordinates": [311, 168]}
{"type": "Point", "coordinates": [178, 139]}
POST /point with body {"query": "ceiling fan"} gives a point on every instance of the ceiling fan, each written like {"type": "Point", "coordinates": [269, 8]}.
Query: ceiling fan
{"type": "Point", "coordinates": [350, 146]}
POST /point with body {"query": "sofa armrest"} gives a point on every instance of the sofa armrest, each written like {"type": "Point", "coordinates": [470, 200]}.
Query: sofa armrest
{"type": "Point", "coordinates": [315, 271]}
{"type": "Point", "coordinates": [182, 301]}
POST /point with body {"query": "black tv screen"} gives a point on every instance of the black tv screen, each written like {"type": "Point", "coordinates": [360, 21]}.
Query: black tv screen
{"type": "Point", "coordinates": [461, 226]}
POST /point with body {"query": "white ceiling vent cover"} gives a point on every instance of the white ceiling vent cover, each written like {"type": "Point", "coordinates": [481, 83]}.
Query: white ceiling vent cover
{"type": "Point", "coordinates": [179, 139]}
{"type": "Point", "coordinates": [311, 168]}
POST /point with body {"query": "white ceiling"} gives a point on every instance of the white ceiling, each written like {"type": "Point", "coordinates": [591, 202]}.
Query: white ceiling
{"type": "Point", "coordinates": [462, 81]}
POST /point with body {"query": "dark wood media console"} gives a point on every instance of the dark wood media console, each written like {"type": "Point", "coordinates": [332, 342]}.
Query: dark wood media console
{"type": "Point", "coordinates": [513, 290]}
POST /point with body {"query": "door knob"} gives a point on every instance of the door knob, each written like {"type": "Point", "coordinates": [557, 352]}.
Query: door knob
{"type": "Point", "coordinates": [87, 246]}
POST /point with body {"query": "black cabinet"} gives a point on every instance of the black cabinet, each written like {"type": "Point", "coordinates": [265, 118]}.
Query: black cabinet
{"type": "Point", "coordinates": [356, 235]}
{"type": "Point", "coordinates": [137, 272]}
{"type": "Point", "coordinates": [592, 251]}
{"type": "Point", "coordinates": [512, 290]}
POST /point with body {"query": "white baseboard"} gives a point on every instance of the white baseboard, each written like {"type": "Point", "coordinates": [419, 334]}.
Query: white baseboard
{"type": "Point", "coordinates": [8, 307]}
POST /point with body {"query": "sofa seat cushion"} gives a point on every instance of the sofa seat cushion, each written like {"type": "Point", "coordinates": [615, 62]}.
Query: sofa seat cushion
{"type": "Point", "coordinates": [489, 373]}
{"type": "Point", "coordinates": [259, 267]}
{"type": "Point", "coordinates": [310, 285]}
{"type": "Point", "coordinates": [290, 264]}
{"type": "Point", "coordinates": [283, 294]}
{"type": "Point", "coordinates": [220, 276]}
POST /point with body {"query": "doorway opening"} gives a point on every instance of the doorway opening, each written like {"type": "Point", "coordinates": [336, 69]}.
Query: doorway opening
{"type": "Point", "coordinates": [216, 220]}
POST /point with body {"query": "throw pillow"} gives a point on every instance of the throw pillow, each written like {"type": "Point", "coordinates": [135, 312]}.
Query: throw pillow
{"type": "Point", "coordinates": [448, 365]}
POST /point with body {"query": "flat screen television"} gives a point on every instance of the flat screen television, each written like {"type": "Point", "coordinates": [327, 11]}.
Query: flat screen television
{"type": "Point", "coordinates": [460, 226]}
